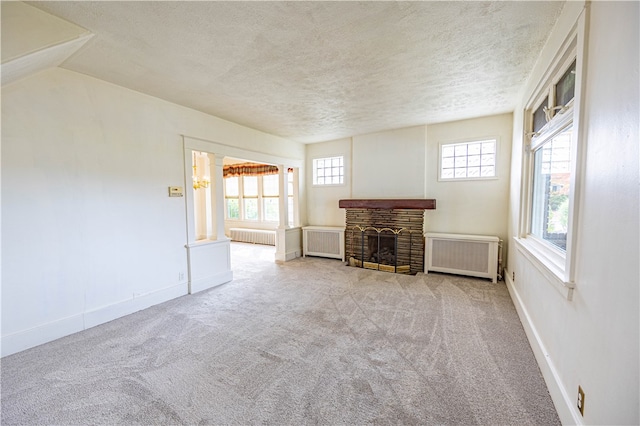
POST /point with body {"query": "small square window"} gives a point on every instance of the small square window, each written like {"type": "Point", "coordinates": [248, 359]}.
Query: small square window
{"type": "Point", "coordinates": [468, 160]}
{"type": "Point", "coordinates": [328, 171]}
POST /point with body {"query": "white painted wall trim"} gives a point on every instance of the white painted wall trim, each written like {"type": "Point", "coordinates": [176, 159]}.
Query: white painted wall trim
{"type": "Point", "coordinates": [191, 143]}
{"type": "Point", "coordinates": [288, 244]}
{"type": "Point", "coordinates": [209, 264]}
{"type": "Point", "coordinates": [210, 281]}
{"type": "Point", "coordinates": [546, 267]}
{"type": "Point", "coordinates": [563, 402]}
{"type": "Point", "coordinates": [57, 329]}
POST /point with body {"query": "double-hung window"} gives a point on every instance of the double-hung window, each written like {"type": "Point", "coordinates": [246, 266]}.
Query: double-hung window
{"type": "Point", "coordinates": [550, 168]}
{"type": "Point", "coordinates": [550, 147]}
{"type": "Point", "coordinates": [270, 197]}
{"type": "Point", "coordinates": [232, 197]}
{"type": "Point", "coordinates": [250, 197]}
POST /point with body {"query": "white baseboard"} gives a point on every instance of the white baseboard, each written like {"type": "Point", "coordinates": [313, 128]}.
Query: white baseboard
{"type": "Point", "coordinates": [290, 255]}
{"type": "Point", "coordinates": [109, 313]}
{"type": "Point", "coordinates": [53, 330]}
{"type": "Point", "coordinates": [210, 281]}
{"type": "Point", "coordinates": [563, 402]}
{"type": "Point", "coordinates": [25, 339]}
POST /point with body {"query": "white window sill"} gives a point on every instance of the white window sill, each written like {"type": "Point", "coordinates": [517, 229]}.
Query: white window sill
{"type": "Point", "coordinates": [544, 261]}
{"type": "Point", "coordinates": [467, 179]}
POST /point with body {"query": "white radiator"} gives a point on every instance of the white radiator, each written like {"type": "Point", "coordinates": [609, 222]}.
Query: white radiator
{"type": "Point", "coordinates": [256, 236]}
{"type": "Point", "coordinates": [473, 255]}
{"type": "Point", "coordinates": [323, 241]}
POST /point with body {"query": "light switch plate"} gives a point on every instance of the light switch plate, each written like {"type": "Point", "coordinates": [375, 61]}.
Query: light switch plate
{"type": "Point", "coordinates": [175, 191]}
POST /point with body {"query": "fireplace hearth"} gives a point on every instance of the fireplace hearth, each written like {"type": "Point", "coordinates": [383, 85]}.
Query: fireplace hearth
{"type": "Point", "coordinates": [386, 235]}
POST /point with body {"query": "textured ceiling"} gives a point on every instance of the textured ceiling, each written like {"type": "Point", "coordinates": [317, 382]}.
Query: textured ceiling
{"type": "Point", "coordinates": [315, 71]}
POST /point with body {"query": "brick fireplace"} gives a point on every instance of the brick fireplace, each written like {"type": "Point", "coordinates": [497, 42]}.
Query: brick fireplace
{"type": "Point", "coordinates": [385, 234]}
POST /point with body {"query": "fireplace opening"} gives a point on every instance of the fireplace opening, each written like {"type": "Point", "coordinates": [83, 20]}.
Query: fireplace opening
{"type": "Point", "coordinates": [382, 249]}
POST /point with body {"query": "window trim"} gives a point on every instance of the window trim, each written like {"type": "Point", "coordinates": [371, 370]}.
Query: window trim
{"type": "Point", "coordinates": [547, 258]}
{"type": "Point", "coordinates": [496, 139]}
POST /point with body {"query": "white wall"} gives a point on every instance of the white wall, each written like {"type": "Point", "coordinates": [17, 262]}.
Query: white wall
{"type": "Point", "coordinates": [322, 201]}
{"type": "Point", "coordinates": [592, 341]}
{"type": "Point", "coordinates": [470, 207]}
{"type": "Point", "coordinates": [389, 164]}
{"type": "Point", "coordinates": [89, 232]}
{"type": "Point", "coordinates": [403, 163]}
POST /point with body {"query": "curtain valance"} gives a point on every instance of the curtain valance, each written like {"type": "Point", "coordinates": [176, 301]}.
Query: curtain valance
{"type": "Point", "coordinates": [250, 169]}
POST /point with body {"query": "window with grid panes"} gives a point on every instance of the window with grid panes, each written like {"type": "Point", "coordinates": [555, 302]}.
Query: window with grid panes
{"type": "Point", "coordinates": [328, 171]}
{"type": "Point", "coordinates": [468, 160]}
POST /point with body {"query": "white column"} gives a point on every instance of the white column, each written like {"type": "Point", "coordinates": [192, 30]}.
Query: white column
{"type": "Point", "coordinates": [284, 197]}
{"type": "Point", "coordinates": [219, 197]}
{"type": "Point", "coordinates": [296, 196]}
{"type": "Point", "coordinates": [210, 196]}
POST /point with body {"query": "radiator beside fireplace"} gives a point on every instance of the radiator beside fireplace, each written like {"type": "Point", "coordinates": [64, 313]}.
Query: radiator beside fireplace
{"type": "Point", "coordinates": [472, 255]}
{"type": "Point", "coordinates": [323, 241]}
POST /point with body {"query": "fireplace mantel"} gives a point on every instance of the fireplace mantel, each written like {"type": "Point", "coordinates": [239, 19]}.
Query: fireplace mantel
{"type": "Point", "coordinates": [409, 203]}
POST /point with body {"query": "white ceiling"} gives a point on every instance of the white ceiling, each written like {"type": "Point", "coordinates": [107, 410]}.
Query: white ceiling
{"type": "Point", "coordinates": [316, 71]}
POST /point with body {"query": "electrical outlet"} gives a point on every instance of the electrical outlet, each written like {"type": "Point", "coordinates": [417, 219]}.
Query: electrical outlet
{"type": "Point", "coordinates": [181, 276]}
{"type": "Point", "coordinates": [581, 400]}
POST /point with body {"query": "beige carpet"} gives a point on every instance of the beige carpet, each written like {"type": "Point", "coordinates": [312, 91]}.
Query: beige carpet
{"type": "Point", "coordinates": [308, 342]}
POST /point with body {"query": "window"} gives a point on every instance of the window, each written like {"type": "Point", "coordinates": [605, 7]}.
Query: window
{"type": "Point", "coordinates": [232, 197]}
{"type": "Point", "coordinates": [550, 161]}
{"type": "Point", "coordinates": [468, 160]}
{"type": "Point", "coordinates": [550, 167]}
{"type": "Point", "coordinates": [250, 197]}
{"type": "Point", "coordinates": [254, 198]}
{"type": "Point", "coordinates": [270, 199]}
{"type": "Point", "coordinates": [550, 192]}
{"type": "Point", "coordinates": [539, 115]}
{"type": "Point", "coordinates": [328, 171]}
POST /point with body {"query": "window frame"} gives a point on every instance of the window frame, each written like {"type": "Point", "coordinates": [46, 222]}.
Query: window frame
{"type": "Point", "coordinates": [232, 197]}
{"type": "Point", "coordinates": [496, 142]}
{"type": "Point", "coordinates": [244, 198]}
{"type": "Point", "coordinates": [314, 171]}
{"type": "Point", "coordinates": [260, 197]}
{"type": "Point", "coordinates": [264, 198]}
{"type": "Point", "coordinates": [556, 264]}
